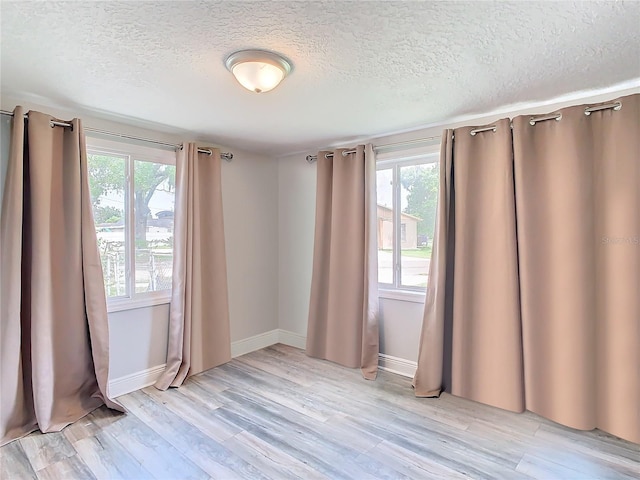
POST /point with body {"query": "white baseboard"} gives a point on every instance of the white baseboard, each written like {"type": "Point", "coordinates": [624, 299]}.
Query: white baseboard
{"type": "Point", "coordinates": [292, 339]}
{"type": "Point", "coordinates": [251, 344]}
{"type": "Point", "coordinates": [389, 363]}
{"type": "Point", "coordinates": [399, 366]}
{"type": "Point", "coordinates": [135, 381]}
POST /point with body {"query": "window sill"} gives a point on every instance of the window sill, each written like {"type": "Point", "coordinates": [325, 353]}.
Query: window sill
{"type": "Point", "coordinates": [121, 305]}
{"type": "Point", "coordinates": [402, 295]}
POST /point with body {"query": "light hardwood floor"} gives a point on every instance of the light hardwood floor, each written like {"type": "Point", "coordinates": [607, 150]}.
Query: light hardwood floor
{"type": "Point", "coordinates": [278, 414]}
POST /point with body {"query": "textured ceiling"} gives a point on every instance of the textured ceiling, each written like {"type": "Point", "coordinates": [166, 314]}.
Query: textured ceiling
{"type": "Point", "coordinates": [360, 68]}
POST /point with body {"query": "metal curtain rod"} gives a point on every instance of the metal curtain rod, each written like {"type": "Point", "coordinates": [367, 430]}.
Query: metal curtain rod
{"type": "Point", "coordinates": [313, 158]}
{"type": "Point", "coordinates": [553, 116]}
{"type": "Point", "coordinates": [228, 156]}
{"type": "Point", "coordinates": [532, 121]}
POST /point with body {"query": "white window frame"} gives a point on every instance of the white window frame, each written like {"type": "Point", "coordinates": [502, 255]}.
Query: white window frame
{"type": "Point", "coordinates": [394, 161]}
{"type": "Point", "coordinates": [132, 152]}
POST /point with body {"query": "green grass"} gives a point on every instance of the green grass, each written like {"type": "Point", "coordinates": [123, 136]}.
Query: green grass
{"type": "Point", "coordinates": [419, 253]}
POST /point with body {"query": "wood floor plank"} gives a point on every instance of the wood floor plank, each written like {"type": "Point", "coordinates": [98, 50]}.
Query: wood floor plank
{"type": "Point", "coordinates": [331, 402]}
{"type": "Point", "coordinates": [71, 468]}
{"type": "Point", "coordinates": [14, 462]}
{"type": "Point", "coordinates": [445, 450]}
{"type": "Point", "coordinates": [289, 374]}
{"type": "Point", "coordinates": [413, 427]}
{"type": "Point", "coordinates": [103, 417]}
{"type": "Point", "coordinates": [193, 411]}
{"type": "Point", "coordinates": [622, 460]}
{"type": "Point", "coordinates": [412, 464]}
{"type": "Point", "coordinates": [154, 453]}
{"type": "Point", "coordinates": [205, 452]}
{"type": "Point", "coordinates": [334, 388]}
{"type": "Point", "coordinates": [300, 437]}
{"type": "Point", "coordinates": [83, 428]}
{"type": "Point", "coordinates": [107, 459]}
{"type": "Point", "coordinates": [359, 440]}
{"type": "Point", "coordinates": [269, 459]}
{"type": "Point", "coordinates": [320, 371]}
{"type": "Point", "coordinates": [278, 414]}
{"type": "Point", "coordinates": [293, 442]}
{"type": "Point", "coordinates": [377, 468]}
{"type": "Point", "coordinates": [593, 439]}
{"type": "Point", "coordinates": [544, 469]}
{"type": "Point", "coordinates": [43, 450]}
{"type": "Point", "coordinates": [292, 402]}
{"type": "Point", "coordinates": [299, 404]}
{"type": "Point", "coordinates": [273, 416]}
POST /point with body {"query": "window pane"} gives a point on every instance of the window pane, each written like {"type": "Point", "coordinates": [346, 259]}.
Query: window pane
{"type": "Point", "coordinates": [154, 198]}
{"type": "Point", "coordinates": [384, 182]}
{"type": "Point", "coordinates": [419, 196]}
{"type": "Point", "coordinates": [107, 185]}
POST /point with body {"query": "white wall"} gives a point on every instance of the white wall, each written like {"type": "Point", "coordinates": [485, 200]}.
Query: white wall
{"type": "Point", "coordinates": [137, 340]}
{"type": "Point", "coordinates": [5, 136]}
{"type": "Point", "coordinates": [250, 199]}
{"type": "Point", "coordinates": [138, 337]}
{"type": "Point", "coordinates": [401, 320]}
{"type": "Point", "coordinates": [296, 204]}
{"type": "Point", "coordinates": [400, 327]}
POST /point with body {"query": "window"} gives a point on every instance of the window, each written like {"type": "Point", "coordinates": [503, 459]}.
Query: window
{"type": "Point", "coordinates": [133, 196]}
{"type": "Point", "coordinates": [407, 199]}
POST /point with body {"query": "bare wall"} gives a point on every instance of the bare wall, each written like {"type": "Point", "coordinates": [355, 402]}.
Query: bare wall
{"type": "Point", "coordinates": [296, 221]}
{"type": "Point", "coordinates": [250, 198]}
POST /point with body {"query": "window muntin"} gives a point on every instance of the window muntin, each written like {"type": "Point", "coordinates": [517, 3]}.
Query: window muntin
{"type": "Point", "coordinates": [405, 234]}
{"type": "Point", "coordinates": [133, 197]}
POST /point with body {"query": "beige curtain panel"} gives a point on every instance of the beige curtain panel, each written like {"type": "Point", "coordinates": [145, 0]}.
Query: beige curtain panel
{"type": "Point", "coordinates": [478, 333]}
{"type": "Point", "coordinates": [343, 310]}
{"type": "Point", "coordinates": [558, 302]}
{"type": "Point", "coordinates": [578, 201]}
{"type": "Point", "coordinates": [54, 333]}
{"type": "Point", "coordinates": [199, 335]}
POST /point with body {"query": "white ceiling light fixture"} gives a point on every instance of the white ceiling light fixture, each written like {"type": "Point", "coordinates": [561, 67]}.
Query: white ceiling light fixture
{"type": "Point", "coordinates": [258, 70]}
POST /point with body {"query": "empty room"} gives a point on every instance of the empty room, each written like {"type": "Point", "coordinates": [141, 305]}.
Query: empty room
{"type": "Point", "coordinates": [320, 240]}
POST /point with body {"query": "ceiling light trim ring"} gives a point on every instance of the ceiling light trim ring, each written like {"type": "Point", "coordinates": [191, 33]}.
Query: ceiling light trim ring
{"type": "Point", "coordinates": [256, 55]}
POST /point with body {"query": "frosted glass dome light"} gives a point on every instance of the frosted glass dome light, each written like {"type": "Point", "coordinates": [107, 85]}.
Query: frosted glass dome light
{"type": "Point", "coordinates": [258, 70]}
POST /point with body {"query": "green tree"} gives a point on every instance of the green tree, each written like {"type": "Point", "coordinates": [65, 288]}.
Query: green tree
{"type": "Point", "coordinates": [421, 181]}
{"type": "Point", "coordinates": [107, 175]}
{"type": "Point", "coordinates": [149, 178]}
{"type": "Point", "coordinates": [107, 214]}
